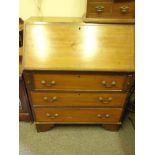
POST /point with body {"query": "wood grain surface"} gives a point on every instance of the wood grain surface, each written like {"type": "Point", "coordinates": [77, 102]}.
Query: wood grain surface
{"type": "Point", "coordinates": [73, 99]}
{"type": "Point", "coordinates": [78, 81]}
{"type": "Point", "coordinates": [77, 115]}
{"type": "Point", "coordinates": [78, 46]}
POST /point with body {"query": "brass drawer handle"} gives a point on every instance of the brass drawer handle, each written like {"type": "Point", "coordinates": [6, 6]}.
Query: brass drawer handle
{"type": "Point", "coordinates": [124, 9]}
{"type": "Point", "coordinates": [45, 98]}
{"type": "Point", "coordinates": [102, 116]}
{"type": "Point", "coordinates": [105, 100]}
{"type": "Point", "coordinates": [99, 9]}
{"type": "Point", "coordinates": [105, 84]}
{"type": "Point", "coordinates": [48, 84]}
{"type": "Point", "coordinates": [52, 115]}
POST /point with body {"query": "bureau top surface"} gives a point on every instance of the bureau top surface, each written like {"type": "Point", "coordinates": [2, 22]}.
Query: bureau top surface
{"type": "Point", "coordinates": [69, 44]}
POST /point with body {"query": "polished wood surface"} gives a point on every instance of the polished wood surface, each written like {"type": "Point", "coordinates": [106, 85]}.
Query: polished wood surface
{"type": "Point", "coordinates": [76, 72]}
{"type": "Point", "coordinates": [78, 81]}
{"type": "Point", "coordinates": [44, 127]}
{"type": "Point", "coordinates": [23, 97]}
{"type": "Point", "coordinates": [24, 116]}
{"type": "Point", "coordinates": [112, 127]}
{"type": "Point", "coordinates": [21, 24]}
{"type": "Point", "coordinates": [100, 0]}
{"type": "Point", "coordinates": [60, 99]}
{"type": "Point", "coordinates": [118, 10]}
{"type": "Point", "coordinates": [129, 8]}
{"type": "Point", "coordinates": [20, 51]}
{"type": "Point", "coordinates": [92, 10]}
{"type": "Point", "coordinates": [78, 46]}
{"type": "Point", "coordinates": [20, 70]}
{"type": "Point", "coordinates": [110, 11]}
{"type": "Point", "coordinates": [24, 108]}
{"type": "Point", "coordinates": [108, 20]}
{"type": "Point", "coordinates": [77, 115]}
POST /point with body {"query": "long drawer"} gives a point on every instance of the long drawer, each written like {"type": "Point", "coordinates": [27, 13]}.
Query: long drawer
{"type": "Point", "coordinates": [78, 81]}
{"type": "Point", "coordinates": [78, 115]}
{"type": "Point", "coordinates": [78, 99]}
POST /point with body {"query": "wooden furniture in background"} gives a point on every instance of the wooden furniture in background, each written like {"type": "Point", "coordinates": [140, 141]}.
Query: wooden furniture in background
{"type": "Point", "coordinates": [77, 73]}
{"type": "Point", "coordinates": [110, 11]}
{"type": "Point", "coordinates": [24, 108]}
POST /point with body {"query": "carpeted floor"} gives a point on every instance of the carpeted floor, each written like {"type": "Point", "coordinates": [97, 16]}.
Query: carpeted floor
{"type": "Point", "coordinates": [76, 140]}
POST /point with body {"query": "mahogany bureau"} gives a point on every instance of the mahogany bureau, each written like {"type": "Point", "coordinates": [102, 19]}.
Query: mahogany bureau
{"type": "Point", "coordinates": [77, 73]}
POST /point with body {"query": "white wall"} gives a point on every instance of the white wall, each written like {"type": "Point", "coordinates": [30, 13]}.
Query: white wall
{"type": "Point", "coordinates": [64, 8]}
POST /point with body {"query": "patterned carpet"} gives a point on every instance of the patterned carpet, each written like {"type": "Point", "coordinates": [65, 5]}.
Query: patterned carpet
{"type": "Point", "coordinates": [76, 140]}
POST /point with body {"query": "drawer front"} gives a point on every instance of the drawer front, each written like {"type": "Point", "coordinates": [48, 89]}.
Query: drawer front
{"type": "Point", "coordinates": [88, 1]}
{"type": "Point", "coordinates": [78, 99]}
{"type": "Point", "coordinates": [77, 115]}
{"type": "Point", "coordinates": [78, 81]}
{"type": "Point", "coordinates": [123, 10]}
{"type": "Point", "coordinates": [99, 10]}
{"type": "Point", "coordinates": [121, 1]}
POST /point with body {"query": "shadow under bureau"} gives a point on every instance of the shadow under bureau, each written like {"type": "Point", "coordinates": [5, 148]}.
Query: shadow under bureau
{"type": "Point", "coordinates": [77, 73]}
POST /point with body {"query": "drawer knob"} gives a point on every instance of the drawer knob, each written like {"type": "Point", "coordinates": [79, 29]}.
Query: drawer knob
{"type": "Point", "coordinates": [52, 115]}
{"type": "Point", "coordinates": [105, 84]}
{"type": "Point", "coordinates": [107, 116]}
{"type": "Point", "coordinates": [99, 9]}
{"type": "Point", "coordinates": [54, 98]}
{"type": "Point", "coordinates": [102, 116]}
{"type": "Point", "coordinates": [105, 100]}
{"type": "Point", "coordinates": [45, 98]}
{"type": "Point", "coordinates": [124, 9]}
{"type": "Point", "coordinates": [48, 84]}
{"type": "Point", "coordinates": [56, 115]}
{"type": "Point", "coordinates": [50, 99]}
{"type": "Point", "coordinates": [53, 82]}
{"type": "Point", "coordinates": [100, 98]}
{"type": "Point", "coordinates": [99, 115]}
{"type": "Point", "coordinates": [43, 82]}
{"type": "Point", "coordinates": [48, 115]}
{"type": "Point", "coordinates": [113, 83]}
